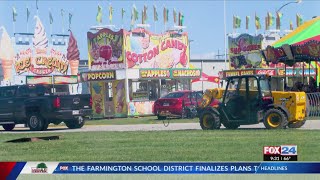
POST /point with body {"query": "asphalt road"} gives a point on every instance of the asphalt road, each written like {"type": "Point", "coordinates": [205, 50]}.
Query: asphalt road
{"type": "Point", "coordinates": [311, 124]}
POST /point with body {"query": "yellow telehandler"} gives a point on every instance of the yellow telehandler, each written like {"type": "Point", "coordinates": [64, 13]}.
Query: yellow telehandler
{"type": "Point", "coordinates": [246, 100]}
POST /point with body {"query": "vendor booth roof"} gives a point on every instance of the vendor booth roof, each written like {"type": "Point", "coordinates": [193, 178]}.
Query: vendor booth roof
{"type": "Point", "coordinates": [310, 30]}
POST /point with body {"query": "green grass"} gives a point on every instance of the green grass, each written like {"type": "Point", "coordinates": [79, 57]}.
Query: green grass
{"type": "Point", "coordinates": [187, 145]}
{"type": "Point", "coordinates": [139, 120]}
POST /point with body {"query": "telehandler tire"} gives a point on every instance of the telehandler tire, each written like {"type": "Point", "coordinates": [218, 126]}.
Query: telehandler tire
{"type": "Point", "coordinates": [298, 124]}
{"type": "Point", "coordinates": [275, 119]}
{"type": "Point", "coordinates": [209, 121]}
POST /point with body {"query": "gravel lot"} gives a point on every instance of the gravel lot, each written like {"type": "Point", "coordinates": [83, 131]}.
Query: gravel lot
{"type": "Point", "coordinates": [311, 124]}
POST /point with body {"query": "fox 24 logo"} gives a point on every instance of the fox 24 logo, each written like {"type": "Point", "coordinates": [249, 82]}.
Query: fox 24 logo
{"type": "Point", "coordinates": [280, 153]}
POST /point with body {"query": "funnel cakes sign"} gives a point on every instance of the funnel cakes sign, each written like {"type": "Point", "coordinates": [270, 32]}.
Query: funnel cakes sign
{"type": "Point", "coordinates": [42, 59]}
{"type": "Point", "coordinates": [105, 50]}
{"type": "Point", "coordinates": [146, 50]}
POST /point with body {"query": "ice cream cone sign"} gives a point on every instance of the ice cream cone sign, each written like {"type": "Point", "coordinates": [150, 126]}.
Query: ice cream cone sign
{"type": "Point", "coordinates": [6, 54]}
{"type": "Point", "coordinates": [40, 40]}
{"type": "Point", "coordinates": [73, 54]}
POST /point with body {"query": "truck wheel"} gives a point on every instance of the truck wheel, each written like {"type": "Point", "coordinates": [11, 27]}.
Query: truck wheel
{"type": "Point", "coordinates": [45, 126]}
{"type": "Point", "coordinates": [8, 127]}
{"type": "Point", "coordinates": [75, 123]}
{"type": "Point", "coordinates": [209, 121]}
{"type": "Point", "coordinates": [36, 122]}
{"type": "Point", "coordinates": [161, 117]}
{"type": "Point", "coordinates": [297, 124]}
{"type": "Point", "coordinates": [231, 125]}
{"type": "Point", "coordinates": [275, 119]}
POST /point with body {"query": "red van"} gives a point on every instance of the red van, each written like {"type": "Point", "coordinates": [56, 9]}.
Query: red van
{"type": "Point", "coordinates": [174, 103]}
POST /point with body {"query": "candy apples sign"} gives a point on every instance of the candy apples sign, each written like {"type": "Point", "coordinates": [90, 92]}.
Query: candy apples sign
{"type": "Point", "coordinates": [105, 50]}
{"type": "Point", "coordinates": [147, 50]}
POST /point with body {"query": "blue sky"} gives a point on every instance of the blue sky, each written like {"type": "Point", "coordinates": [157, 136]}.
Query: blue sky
{"type": "Point", "coordinates": [203, 19]}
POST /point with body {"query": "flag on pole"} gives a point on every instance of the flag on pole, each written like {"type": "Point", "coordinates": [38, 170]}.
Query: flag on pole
{"type": "Point", "coordinates": [70, 18]}
{"type": "Point", "coordinates": [181, 19]}
{"type": "Point", "coordinates": [28, 14]}
{"type": "Point", "coordinates": [257, 22]}
{"type": "Point", "coordinates": [247, 22]}
{"type": "Point", "coordinates": [50, 17]}
{"type": "Point", "coordinates": [122, 13]}
{"type": "Point", "coordinates": [164, 15]}
{"type": "Point", "coordinates": [291, 25]}
{"type": "Point", "coordinates": [175, 16]}
{"type": "Point", "coordinates": [267, 22]}
{"type": "Point", "coordinates": [145, 14]}
{"type": "Point", "coordinates": [142, 17]}
{"type": "Point", "coordinates": [278, 23]}
{"type": "Point", "coordinates": [167, 15]}
{"type": "Point", "coordinates": [155, 13]}
{"type": "Point", "coordinates": [99, 14]}
{"type": "Point", "coordinates": [110, 13]}
{"type": "Point", "coordinates": [14, 14]}
{"type": "Point", "coordinates": [135, 13]}
{"type": "Point", "coordinates": [299, 20]}
{"type": "Point", "coordinates": [270, 19]}
{"type": "Point", "coordinates": [62, 12]}
{"type": "Point", "coordinates": [236, 22]}
{"type": "Point", "coordinates": [37, 4]}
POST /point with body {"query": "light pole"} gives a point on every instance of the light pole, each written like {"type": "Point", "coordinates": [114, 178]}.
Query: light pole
{"type": "Point", "coordinates": [225, 34]}
{"type": "Point", "coordinates": [296, 2]}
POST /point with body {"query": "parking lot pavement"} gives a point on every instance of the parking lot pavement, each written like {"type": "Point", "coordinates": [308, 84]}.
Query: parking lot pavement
{"type": "Point", "coordinates": [311, 124]}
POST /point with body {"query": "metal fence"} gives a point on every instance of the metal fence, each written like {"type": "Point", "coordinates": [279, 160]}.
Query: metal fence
{"type": "Point", "coordinates": [313, 104]}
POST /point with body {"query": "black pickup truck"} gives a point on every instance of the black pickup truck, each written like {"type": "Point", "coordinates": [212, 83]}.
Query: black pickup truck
{"type": "Point", "coordinates": [36, 106]}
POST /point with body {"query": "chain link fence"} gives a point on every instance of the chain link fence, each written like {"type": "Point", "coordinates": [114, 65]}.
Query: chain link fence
{"type": "Point", "coordinates": [313, 104]}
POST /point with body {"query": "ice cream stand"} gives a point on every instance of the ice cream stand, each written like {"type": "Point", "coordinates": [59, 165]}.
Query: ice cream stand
{"type": "Point", "coordinates": [35, 59]}
{"type": "Point", "coordinates": [145, 66]}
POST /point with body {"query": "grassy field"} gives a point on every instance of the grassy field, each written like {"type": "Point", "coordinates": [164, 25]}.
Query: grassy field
{"type": "Point", "coordinates": [189, 145]}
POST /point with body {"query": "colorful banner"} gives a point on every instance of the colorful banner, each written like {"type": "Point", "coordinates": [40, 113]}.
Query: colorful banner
{"type": "Point", "coordinates": [98, 76]}
{"type": "Point", "coordinates": [69, 79]}
{"type": "Point", "coordinates": [140, 108]}
{"type": "Point", "coordinates": [146, 50]}
{"type": "Point", "coordinates": [119, 98]}
{"type": "Point", "coordinates": [105, 50]}
{"type": "Point", "coordinates": [244, 43]}
{"type": "Point", "coordinates": [31, 80]}
{"type": "Point", "coordinates": [154, 73]}
{"type": "Point", "coordinates": [275, 55]}
{"type": "Point", "coordinates": [185, 73]}
{"type": "Point", "coordinates": [224, 74]}
{"type": "Point", "coordinates": [307, 51]}
{"type": "Point", "coordinates": [97, 93]}
{"type": "Point", "coordinates": [244, 51]}
{"type": "Point", "coordinates": [250, 60]}
{"type": "Point", "coordinates": [169, 73]}
{"type": "Point", "coordinates": [296, 72]}
{"type": "Point", "coordinates": [270, 72]}
{"type": "Point", "coordinates": [38, 55]}
{"type": "Point", "coordinates": [30, 61]}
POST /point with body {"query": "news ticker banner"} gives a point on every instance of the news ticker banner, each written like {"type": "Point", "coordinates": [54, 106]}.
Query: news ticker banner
{"type": "Point", "coordinates": [11, 170]}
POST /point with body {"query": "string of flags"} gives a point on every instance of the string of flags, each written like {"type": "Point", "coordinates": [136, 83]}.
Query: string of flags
{"type": "Point", "coordinates": [270, 21]}
{"type": "Point", "coordinates": [28, 13]}
{"type": "Point", "coordinates": [178, 17]}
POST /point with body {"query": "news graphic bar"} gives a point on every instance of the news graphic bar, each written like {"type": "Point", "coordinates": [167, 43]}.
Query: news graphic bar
{"type": "Point", "coordinates": [13, 169]}
{"type": "Point", "coordinates": [187, 168]}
